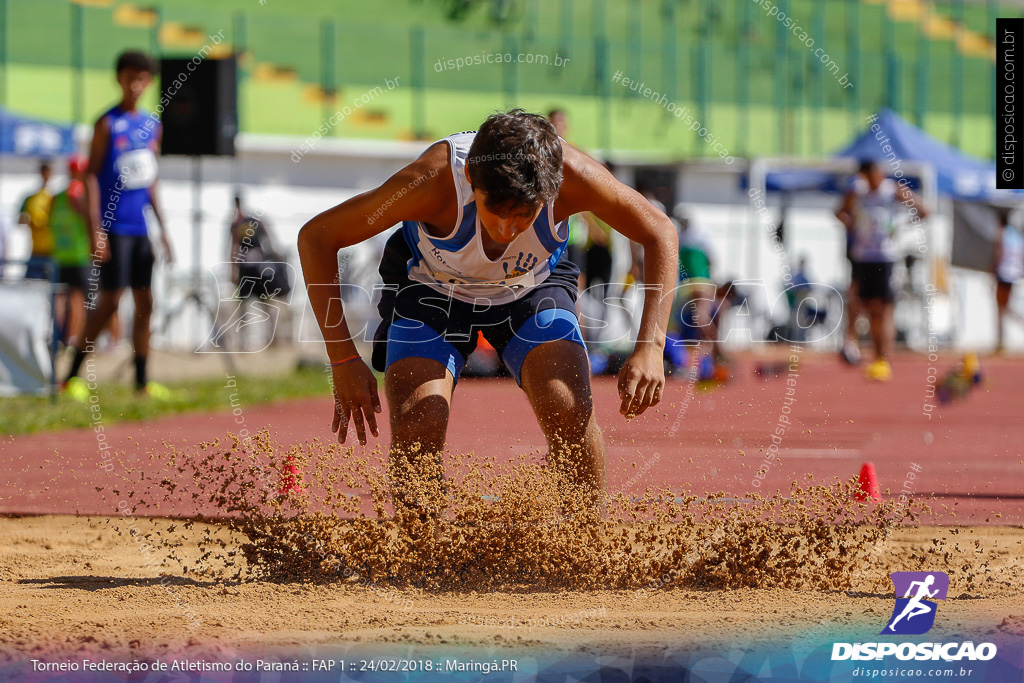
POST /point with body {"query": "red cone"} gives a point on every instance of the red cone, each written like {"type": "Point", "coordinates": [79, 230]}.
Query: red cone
{"type": "Point", "coordinates": [290, 476]}
{"type": "Point", "coordinates": [867, 484]}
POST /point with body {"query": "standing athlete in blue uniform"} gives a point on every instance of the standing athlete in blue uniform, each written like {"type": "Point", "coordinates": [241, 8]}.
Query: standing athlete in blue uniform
{"type": "Point", "coordinates": [120, 184]}
{"type": "Point", "coordinates": [484, 226]}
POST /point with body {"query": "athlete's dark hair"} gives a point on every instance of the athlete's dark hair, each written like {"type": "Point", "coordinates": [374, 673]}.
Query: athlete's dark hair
{"type": "Point", "coordinates": [867, 165]}
{"type": "Point", "coordinates": [516, 160]}
{"type": "Point", "coordinates": [135, 59]}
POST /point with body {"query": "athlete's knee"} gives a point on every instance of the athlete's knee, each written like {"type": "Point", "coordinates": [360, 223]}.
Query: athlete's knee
{"type": "Point", "coordinates": [417, 415]}
{"type": "Point", "coordinates": [425, 420]}
{"type": "Point", "coordinates": [567, 407]}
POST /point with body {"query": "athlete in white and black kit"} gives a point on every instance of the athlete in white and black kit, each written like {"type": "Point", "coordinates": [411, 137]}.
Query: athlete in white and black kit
{"type": "Point", "coordinates": [869, 211]}
{"type": "Point", "coordinates": [484, 230]}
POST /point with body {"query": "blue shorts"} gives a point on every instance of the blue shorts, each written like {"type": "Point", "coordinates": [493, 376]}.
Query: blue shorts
{"type": "Point", "coordinates": [418, 321]}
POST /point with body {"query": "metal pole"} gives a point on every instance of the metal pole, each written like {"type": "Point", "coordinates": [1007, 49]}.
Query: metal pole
{"type": "Point", "coordinates": [197, 218]}
{"type": "Point", "coordinates": [565, 26]}
{"type": "Point", "coordinates": [51, 272]}
{"type": "Point", "coordinates": [921, 75]}
{"type": "Point", "coordinates": [758, 181]}
{"type": "Point", "coordinates": [636, 57]}
{"type": "Point", "coordinates": [669, 49]}
{"type": "Point", "coordinates": [509, 71]}
{"type": "Point", "coordinates": [241, 40]}
{"type": "Point", "coordinates": [958, 75]}
{"type": "Point", "coordinates": [154, 34]}
{"type": "Point", "coordinates": [601, 74]}
{"type": "Point", "coordinates": [77, 63]}
{"type": "Point", "coordinates": [417, 55]}
{"type": "Point", "coordinates": [853, 53]}
{"type": "Point", "coordinates": [743, 83]}
{"type": "Point", "coordinates": [892, 64]}
{"type": "Point", "coordinates": [817, 77]}
{"type": "Point", "coordinates": [327, 62]}
{"type": "Point", "coordinates": [604, 89]}
{"type": "Point", "coordinates": [3, 73]}
{"type": "Point", "coordinates": [781, 82]}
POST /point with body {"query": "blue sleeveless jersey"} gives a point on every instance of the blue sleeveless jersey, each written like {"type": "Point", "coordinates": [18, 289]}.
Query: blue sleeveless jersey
{"type": "Point", "coordinates": [128, 172]}
{"type": "Point", "coordinates": [457, 265]}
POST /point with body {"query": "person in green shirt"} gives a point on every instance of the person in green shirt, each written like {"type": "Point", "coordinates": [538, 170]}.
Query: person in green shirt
{"type": "Point", "coordinates": [34, 213]}
{"type": "Point", "coordinates": [692, 321]}
{"type": "Point", "coordinates": [71, 247]}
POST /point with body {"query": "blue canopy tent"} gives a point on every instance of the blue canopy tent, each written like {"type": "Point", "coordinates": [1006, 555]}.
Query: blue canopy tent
{"type": "Point", "coordinates": [978, 208]}
{"type": "Point", "coordinates": [958, 176]}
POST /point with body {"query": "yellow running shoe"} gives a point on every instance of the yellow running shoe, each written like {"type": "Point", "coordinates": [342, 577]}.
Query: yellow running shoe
{"type": "Point", "coordinates": [880, 371]}
{"type": "Point", "coordinates": [158, 392]}
{"type": "Point", "coordinates": [77, 390]}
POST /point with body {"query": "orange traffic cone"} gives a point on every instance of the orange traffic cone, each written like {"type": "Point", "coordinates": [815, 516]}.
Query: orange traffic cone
{"type": "Point", "coordinates": [867, 484]}
{"type": "Point", "coordinates": [290, 476]}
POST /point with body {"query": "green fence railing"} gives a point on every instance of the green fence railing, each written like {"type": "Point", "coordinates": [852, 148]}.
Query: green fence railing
{"type": "Point", "coordinates": [761, 84]}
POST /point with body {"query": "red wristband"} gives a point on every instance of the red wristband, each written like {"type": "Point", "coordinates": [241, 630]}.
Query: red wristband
{"type": "Point", "coordinates": [336, 363]}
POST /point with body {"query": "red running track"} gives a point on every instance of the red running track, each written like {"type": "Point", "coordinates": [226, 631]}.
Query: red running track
{"type": "Point", "coordinates": [969, 453]}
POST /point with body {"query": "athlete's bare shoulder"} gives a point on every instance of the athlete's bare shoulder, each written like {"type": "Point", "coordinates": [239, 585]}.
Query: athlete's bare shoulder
{"type": "Point", "coordinates": [430, 189]}
{"type": "Point", "coordinates": [583, 177]}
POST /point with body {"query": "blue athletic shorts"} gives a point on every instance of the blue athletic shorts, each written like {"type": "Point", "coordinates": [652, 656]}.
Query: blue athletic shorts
{"type": "Point", "coordinates": [418, 321]}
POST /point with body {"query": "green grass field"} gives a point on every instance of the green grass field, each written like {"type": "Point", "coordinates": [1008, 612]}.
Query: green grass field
{"type": "Point", "coordinates": [119, 403]}
{"type": "Point", "coordinates": [755, 84]}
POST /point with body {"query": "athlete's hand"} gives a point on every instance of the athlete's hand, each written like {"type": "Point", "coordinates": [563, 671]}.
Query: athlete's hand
{"type": "Point", "coordinates": [101, 249]}
{"type": "Point", "coordinates": [641, 380]}
{"type": "Point", "coordinates": [355, 398]}
{"type": "Point", "coordinates": [168, 251]}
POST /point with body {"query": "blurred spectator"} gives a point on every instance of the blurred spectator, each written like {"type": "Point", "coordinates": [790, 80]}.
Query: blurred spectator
{"type": "Point", "coordinates": [597, 269]}
{"type": "Point", "coordinates": [259, 274]}
{"type": "Point", "coordinates": [1008, 268]}
{"type": "Point", "coordinates": [691, 319]}
{"type": "Point", "coordinates": [799, 289]}
{"type": "Point", "coordinates": [636, 270]}
{"type": "Point", "coordinates": [3, 243]}
{"type": "Point", "coordinates": [560, 120]}
{"type": "Point", "coordinates": [35, 213]}
{"type": "Point", "coordinates": [252, 251]}
{"type": "Point", "coordinates": [71, 251]}
{"type": "Point", "coordinates": [122, 178]}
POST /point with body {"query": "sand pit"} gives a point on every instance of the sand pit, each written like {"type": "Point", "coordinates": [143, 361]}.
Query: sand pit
{"type": "Point", "coordinates": [298, 548]}
{"type": "Point", "coordinates": [76, 587]}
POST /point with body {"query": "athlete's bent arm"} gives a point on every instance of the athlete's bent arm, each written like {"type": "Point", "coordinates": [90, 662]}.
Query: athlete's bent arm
{"type": "Point", "coordinates": [589, 186]}
{"type": "Point", "coordinates": [911, 200]}
{"type": "Point", "coordinates": [349, 223]}
{"type": "Point", "coordinates": [154, 204]}
{"type": "Point", "coordinates": [97, 157]}
{"type": "Point", "coordinates": [844, 212]}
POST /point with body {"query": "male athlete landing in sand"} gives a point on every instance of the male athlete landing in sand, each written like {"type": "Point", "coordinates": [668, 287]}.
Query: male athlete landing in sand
{"type": "Point", "coordinates": [484, 225]}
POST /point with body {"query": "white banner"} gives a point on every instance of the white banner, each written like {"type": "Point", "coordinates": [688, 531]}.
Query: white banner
{"type": "Point", "coordinates": [25, 310]}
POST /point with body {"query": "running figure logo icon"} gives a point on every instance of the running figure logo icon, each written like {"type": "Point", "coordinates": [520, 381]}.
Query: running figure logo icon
{"type": "Point", "coordinates": [913, 613]}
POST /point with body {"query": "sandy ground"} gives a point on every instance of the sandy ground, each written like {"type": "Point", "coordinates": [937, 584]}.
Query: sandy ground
{"type": "Point", "coordinates": [74, 586]}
